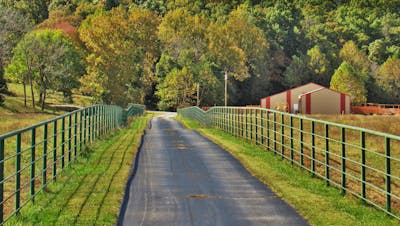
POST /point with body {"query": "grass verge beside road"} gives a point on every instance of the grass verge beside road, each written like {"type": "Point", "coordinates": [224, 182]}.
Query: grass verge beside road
{"type": "Point", "coordinates": [90, 191]}
{"type": "Point", "coordinates": [319, 204]}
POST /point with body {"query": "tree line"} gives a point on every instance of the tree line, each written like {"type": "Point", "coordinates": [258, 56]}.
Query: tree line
{"type": "Point", "coordinates": [168, 54]}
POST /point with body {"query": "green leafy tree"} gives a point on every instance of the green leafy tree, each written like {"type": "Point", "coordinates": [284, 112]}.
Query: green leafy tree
{"type": "Point", "coordinates": [347, 80]}
{"type": "Point", "coordinates": [391, 27]}
{"type": "Point", "coordinates": [177, 90]}
{"type": "Point", "coordinates": [124, 50]}
{"type": "Point", "coordinates": [184, 38]}
{"type": "Point", "coordinates": [238, 46]}
{"type": "Point", "coordinates": [298, 72]}
{"type": "Point", "coordinates": [34, 9]}
{"type": "Point", "coordinates": [49, 60]}
{"type": "Point", "coordinates": [13, 26]}
{"type": "Point", "coordinates": [357, 59]}
{"type": "Point", "coordinates": [388, 77]}
{"type": "Point", "coordinates": [319, 65]}
{"type": "Point", "coordinates": [377, 51]}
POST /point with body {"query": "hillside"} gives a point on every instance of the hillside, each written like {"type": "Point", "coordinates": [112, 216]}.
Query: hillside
{"type": "Point", "coordinates": [14, 115]}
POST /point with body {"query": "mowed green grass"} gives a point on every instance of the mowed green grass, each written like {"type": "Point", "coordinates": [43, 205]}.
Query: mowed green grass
{"type": "Point", "coordinates": [319, 204]}
{"type": "Point", "coordinates": [91, 190]}
{"type": "Point", "coordinates": [14, 115]}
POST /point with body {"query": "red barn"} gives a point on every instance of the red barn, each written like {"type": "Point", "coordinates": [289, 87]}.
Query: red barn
{"type": "Point", "coordinates": [288, 100]}
{"type": "Point", "coordinates": [310, 98]}
{"type": "Point", "coordinates": [324, 101]}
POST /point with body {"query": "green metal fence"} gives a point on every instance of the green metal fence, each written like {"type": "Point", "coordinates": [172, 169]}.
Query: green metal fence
{"type": "Point", "coordinates": [32, 157]}
{"type": "Point", "coordinates": [361, 162]}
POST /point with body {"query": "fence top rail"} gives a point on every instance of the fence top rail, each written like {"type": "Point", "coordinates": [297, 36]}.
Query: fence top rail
{"type": "Point", "coordinates": [15, 132]}
{"type": "Point", "coordinates": [369, 131]}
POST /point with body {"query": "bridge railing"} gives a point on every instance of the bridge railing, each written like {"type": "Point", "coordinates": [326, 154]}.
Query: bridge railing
{"type": "Point", "coordinates": [361, 162]}
{"type": "Point", "coordinates": [32, 157]}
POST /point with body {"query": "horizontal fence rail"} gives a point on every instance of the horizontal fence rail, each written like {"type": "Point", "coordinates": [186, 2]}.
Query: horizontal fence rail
{"type": "Point", "coordinates": [361, 162]}
{"type": "Point", "coordinates": [32, 157]}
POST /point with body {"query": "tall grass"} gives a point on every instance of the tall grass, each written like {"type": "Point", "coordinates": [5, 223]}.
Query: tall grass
{"type": "Point", "coordinates": [383, 123]}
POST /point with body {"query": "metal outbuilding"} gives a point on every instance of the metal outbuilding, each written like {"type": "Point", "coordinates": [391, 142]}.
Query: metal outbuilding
{"type": "Point", "coordinates": [310, 98]}
{"type": "Point", "coordinates": [288, 100]}
{"type": "Point", "coordinates": [324, 101]}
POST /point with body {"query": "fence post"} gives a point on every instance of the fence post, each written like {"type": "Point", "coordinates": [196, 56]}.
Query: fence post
{"type": "Point", "coordinates": [62, 143]}
{"type": "Point", "coordinates": [54, 150]}
{"type": "Point", "coordinates": [44, 165]}
{"type": "Point", "coordinates": [362, 141]}
{"type": "Point", "coordinates": [327, 154]}
{"type": "Point", "coordinates": [108, 119]}
{"type": "Point", "coordinates": [245, 124]}
{"type": "Point", "coordinates": [236, 110]}
{"type": "Point", "coordinates": [18, 173]}
{"type": "Point", "coordinates": [80, 130]}
{"type": "Point", "coordinates": [92, 124]}
{"type": "Point", "coordinates": [124, 117]}
{"type": "Point", "coordinates": [1, 180]}
{"type": "Point", "coordinates": [268, 130]}
{"type": "Point", "coordinates": [343, 140]}
{"type": "Point", "coordinates": [301, 143]}
{"type": "Point", "coordinates": [33, 163]}
{"type": "Point", "coordinates": [291, 139]}
{"type": "Point", "coordinates": [229, 117]}
{"type": "Point", "coordinates": [113, 117]}
{"type": "Point", "coordinates": [97, 134]}
{"type": "Point", "coordinates": [313, 147]}
{"type": "Point", "coordinates": [75, 133]}
{"type": "Point", "coordinates": [89, 126]}
{"type": "Point", "coordinates": [236, 122]}
{"type": "Point", "coordinates": [69, 138]}
{"type": "Point", "coordinates": [102, 119]}
{"type": "Point", "coordinates": [388, 175]}
{"type": "Point", "coordinates": [251, 125]}
{"type": "Point", "coordinates": [84, 126]}
{"type": "Point", "coordinates": [275, 145]}
{"type": "Point", "coordinates": [221, 117]}
{"type": "Point", "coordinates": [282, 135]}
{"type": "Point", "coordinates": [256, 124]}
{"type": "Point", "coordinates": [226, 119]}
{"type": "Point", "coordinates": [262, 127]}
{"type": "Point", "coordinates": [232, 121]}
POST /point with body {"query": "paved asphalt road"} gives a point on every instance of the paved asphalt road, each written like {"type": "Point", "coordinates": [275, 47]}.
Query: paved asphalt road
{"type": "Point", "coordinates": [184, 179]}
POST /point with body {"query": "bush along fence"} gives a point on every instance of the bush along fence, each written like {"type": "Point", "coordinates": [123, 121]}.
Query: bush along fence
{"type": "Point", "coordinates": [361, 162]}
{"type": "Point", "coordinates": [32, 157]}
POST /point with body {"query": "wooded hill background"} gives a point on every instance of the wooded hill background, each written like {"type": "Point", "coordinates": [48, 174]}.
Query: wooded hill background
{"type": "Point", "coordinates": [156, 52]}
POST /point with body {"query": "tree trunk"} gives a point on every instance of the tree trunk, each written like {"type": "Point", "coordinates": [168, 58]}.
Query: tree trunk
{"type": "Point", "coordinates": [3, 84]}
{"type": "Point", "coordinates": [24, 93]}
{"type": "Point", "coordinates": [32, 93]}
{"type": "Point", "coordinates": [44, 99]}
{"type": "Point", "coordinates": [40, 97]}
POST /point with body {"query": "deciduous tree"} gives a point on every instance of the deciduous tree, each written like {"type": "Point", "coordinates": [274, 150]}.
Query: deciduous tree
{"type": "Point", "coordinates": [124, 49]}
{"type": "Point", "coordinates": [48, 60]}
{"type": "Point", "coordinates": [347, 80]}
{"type": "Point", "coordinates": [177, 90]}
{"type": "Point", "coordinates": [13, 26]}
{"type": "Point", "coordinates": [388, 77]}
